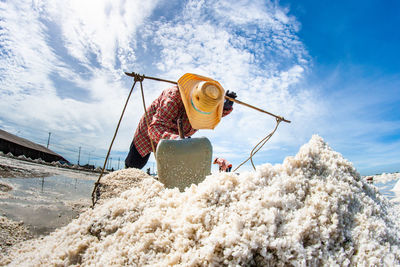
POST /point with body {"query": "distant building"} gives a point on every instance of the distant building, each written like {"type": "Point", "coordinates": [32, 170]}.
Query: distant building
{"type": "Point", "coordinates": [21, 146]}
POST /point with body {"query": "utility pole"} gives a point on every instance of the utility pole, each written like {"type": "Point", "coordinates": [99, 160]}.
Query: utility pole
{"type": "Point", "coordinates": [118, 162]}
{"type": "Point", "coordinates": [48, 140]}
{"type": "Point", "coordinates": [110, 163]}
{"type": "Point", "coordinates": [88, 159]}
{"type": "Point", "coordinates": [79, 155]}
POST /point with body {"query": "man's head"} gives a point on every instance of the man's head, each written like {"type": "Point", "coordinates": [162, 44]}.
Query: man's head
{"type": "Point", "coordinates": [203, 99]}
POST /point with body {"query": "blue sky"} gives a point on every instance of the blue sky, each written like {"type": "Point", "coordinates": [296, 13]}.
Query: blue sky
{"type": "Point", "coordinates": [330, 67]}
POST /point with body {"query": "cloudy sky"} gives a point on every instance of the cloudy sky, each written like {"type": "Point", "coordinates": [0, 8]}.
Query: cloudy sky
{"type": "Point", "coordinates": [331, 67]}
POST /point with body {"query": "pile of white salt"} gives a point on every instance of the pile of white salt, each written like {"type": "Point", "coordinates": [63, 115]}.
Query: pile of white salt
{"type": "Point", "coordinates": [312, 210]}
{"type": "Point", "coordinates": [385, 177]}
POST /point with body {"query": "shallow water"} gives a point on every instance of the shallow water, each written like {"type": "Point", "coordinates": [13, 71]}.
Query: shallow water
{"type": "Point", "coordinates": [45, 203]}
{"type": "Point", "coordinates": [385, 189]}
{"type": "Point", "coordinates": [49, 188]}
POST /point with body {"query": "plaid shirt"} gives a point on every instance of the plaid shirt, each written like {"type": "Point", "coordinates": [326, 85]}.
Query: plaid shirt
{"type": "Point", "coordinates": [163, 115]}
{"type": "Point", "coordinates": [223, 164]}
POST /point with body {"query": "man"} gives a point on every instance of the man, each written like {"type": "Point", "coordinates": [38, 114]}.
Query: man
{"type": "Point", "coordinates": [224, 165]}
{"type": "Point", "coordinates": [197, 101]}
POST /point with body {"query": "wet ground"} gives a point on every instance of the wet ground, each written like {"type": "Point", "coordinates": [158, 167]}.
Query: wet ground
{"type": "Point", "coordinates": [14, 171]}
{"type": "Point", "coordinates": [45, 203]}
{"type": "Point", "coordinates": [36, 199]}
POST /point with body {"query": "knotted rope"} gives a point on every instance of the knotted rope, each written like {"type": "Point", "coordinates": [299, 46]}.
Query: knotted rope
{"type": "Point", "coordinates": [260, 144]}
{"type": "Point", "coordinates": [140, 78]}
{"type": "Point", "coordinates": [96, 189]}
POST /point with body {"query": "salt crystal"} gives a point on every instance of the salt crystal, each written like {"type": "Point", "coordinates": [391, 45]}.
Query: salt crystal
{"type": "Point", "coordinates": [314, 209]}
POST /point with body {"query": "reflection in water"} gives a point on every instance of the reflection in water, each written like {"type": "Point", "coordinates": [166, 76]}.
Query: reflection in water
{"type": "Point", "coordinates": [57, 187]}
{"type": "Point", "coordinates": [45, 210]}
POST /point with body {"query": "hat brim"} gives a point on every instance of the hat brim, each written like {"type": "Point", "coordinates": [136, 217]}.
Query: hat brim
{"type": "Point", "coordinates": [199, 120]}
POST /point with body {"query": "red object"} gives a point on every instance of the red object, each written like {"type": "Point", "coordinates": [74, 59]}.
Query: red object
{"type": "Point", "coordinates": [223, 164]}
{"type": "Point", "coordinates": [163, 115]}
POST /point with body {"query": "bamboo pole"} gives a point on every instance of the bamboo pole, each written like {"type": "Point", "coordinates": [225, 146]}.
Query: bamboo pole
{"type": "Point", "coordinates": [133, 74]}
{"type": "Point", "coordinates": [256, 108]}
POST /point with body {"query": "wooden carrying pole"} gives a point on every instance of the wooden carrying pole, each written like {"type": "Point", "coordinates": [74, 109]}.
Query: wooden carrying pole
{"type": "Point", "coordinates": [256, 108]}
{"type": "Point", "coordinates": [133, 74]}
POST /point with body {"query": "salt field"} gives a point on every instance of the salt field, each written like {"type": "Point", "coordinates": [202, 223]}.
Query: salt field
{"type": "Point", "coordinates": [45, 203]}
{"type": "Point", "coordinates": [89, 88]}
{"type": "Point", "coordinates": [313, 209]}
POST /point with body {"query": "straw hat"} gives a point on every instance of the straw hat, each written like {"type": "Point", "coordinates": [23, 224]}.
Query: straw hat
{"type": "Point", "coordinates": [203, 99]}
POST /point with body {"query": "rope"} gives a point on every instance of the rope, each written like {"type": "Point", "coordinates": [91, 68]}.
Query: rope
{"type": "Point", "coordinates": [139, 78]}
{"type": "Point", "coordinates": [147, 120]}
{"type": "Point", "coordinates": [96, 188]}
{"type": "Point", "coordinates": [262, 142]}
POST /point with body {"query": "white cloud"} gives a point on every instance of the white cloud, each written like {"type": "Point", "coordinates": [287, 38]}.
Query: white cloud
{"type": "Point", "coordinates": [31, 55]}
{"type": "Point", "coordinates": [251, 47]}
{"type": "Point", "coordinates": [99, 30]}
{"type": "Point", "coordinates": [253, 51]}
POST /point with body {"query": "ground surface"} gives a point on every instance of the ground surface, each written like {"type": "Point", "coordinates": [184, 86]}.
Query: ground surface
{"type": "Point", "coordinates": [133, 216]}
{"type": "Point", "coordinates": [13, 167]}
{"type": "Point", "coordinates": [8, 171]}
{"type": "Point", "coordinates": [50, 217]}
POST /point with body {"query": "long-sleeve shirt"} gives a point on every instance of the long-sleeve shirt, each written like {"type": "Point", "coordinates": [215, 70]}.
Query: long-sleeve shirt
{"type": "Point", "coordinates": [163, 115]}
{"type": "Point", "coordinates": [223, 164]}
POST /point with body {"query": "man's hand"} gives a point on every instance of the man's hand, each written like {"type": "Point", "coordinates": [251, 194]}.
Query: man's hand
{"type": "Point", "coordinates": [231, 94]}
{"type": "Point", "coordinates": [228, 104]}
